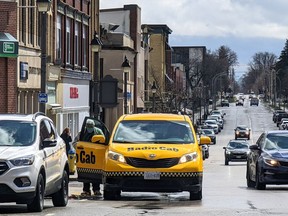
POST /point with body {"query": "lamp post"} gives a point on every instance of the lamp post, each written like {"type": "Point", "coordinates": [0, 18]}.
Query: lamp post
{"type": "Point", "coordinates": [126, 69]}
{"type": "Point", "coordinates": [96, 44]}
{"type": "Point", "coordinates": [153, 89]}
{"type": "Point", "coordinates": [43, 7]}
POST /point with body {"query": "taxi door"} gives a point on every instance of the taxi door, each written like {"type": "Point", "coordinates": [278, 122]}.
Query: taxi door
{"type": "Point", "coordinates": [90, 157]}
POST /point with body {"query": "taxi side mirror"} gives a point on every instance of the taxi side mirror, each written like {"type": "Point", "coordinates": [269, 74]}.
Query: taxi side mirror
{"type": "Point", "coordinates": [98, 139]}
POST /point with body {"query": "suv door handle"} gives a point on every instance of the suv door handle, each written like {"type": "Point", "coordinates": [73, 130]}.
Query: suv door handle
{"type": "Point", "coordinates": [80, 147]}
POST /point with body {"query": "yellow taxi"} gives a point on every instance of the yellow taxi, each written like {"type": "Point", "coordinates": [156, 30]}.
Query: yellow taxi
{"type": "Point", "coordinates": [145, 153]}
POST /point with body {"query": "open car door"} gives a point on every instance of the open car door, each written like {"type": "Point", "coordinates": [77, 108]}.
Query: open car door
{"type": "Point", "coordinates": [90, 156]}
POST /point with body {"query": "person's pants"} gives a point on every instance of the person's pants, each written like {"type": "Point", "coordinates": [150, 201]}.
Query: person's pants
{"type": "Point", "coordinates": [95, 187]}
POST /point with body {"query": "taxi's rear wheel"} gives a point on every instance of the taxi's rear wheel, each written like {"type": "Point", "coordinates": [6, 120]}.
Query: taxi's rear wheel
{"type": "Point", "coordinates": [196, 195]}
{"type": "Point", "coordinates": [112, 195]}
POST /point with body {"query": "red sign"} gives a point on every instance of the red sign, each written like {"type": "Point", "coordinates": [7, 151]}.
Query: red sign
{"type": "Point", "coordinates": [74, 92]}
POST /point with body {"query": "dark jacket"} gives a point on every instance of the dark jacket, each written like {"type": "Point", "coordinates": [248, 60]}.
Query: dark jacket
{"type": "Point", "coordinates": [67, 139]}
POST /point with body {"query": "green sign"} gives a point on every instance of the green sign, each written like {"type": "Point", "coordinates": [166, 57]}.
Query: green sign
{"type": "Point", "coordinates": [8, 47]}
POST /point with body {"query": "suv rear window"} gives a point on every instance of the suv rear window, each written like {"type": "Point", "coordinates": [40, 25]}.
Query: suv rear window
{"type": "Point", "coordinates": [17, 133]}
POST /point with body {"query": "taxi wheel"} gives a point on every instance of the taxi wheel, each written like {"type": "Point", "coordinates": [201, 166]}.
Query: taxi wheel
{"type": "Point", "coordinates": [196, 195]}
{"type": "Point", "coordinates": [112, 195]}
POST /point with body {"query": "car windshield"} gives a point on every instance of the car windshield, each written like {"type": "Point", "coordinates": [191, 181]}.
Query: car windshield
{"type": "Point", "coordinates": [207, 131]}
{"type": "Point", "coordinates": [17, 133]}
{"type": "Point", "coordinates": [276, 142]}
{"type": "Point", "coordinates": [238, 145]}
{"type": "Point", "coordinates": [152, 131]}
{"type": "Point", "coordinates": [241, 128]}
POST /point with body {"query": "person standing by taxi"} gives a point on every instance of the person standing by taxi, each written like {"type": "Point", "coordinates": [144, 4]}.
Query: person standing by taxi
{"type": "Point", "coordinates": [90, 131]}
{"type": "Point", "coordinates": [67, 139]}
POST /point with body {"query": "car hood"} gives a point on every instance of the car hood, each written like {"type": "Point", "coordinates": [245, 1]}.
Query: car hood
{"type": "Point", "coordinates": [158, 150]}
{"type": "Point", "coordinates": [238, 150]}
{"type": "Point", "coordinates": [10, 152]}
{"type": "Point", "coordinates": [278, 154]}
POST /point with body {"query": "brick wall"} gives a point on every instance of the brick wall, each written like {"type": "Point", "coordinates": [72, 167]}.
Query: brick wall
{"type": "Point", "coordinates": [8, 72]}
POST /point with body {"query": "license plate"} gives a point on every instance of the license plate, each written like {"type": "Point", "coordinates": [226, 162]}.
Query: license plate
{"type": "Point", "coordinates": [152, 175]}
{"type": "Point", "coordinates": [238, 156]}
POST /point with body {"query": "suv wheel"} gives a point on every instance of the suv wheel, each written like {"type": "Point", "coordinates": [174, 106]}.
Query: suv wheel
{"type": "Point", "coordinates": [196, 195]}
{"type": "Point", "coordinates": [38, 201]}
{"type": "Point", "coordinates": [60, 198]}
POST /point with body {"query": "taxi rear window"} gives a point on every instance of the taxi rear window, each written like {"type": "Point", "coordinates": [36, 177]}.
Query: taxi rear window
{"type": "Point", "coordinates": [153, 132]}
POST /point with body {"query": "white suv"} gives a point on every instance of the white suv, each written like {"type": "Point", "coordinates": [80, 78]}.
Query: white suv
{"type": "Point", "coordinates": [33, 161]}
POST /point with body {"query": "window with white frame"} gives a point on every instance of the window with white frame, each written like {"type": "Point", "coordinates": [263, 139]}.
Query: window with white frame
{"type": "Point", "coordinates": [68, 41]}
{"type": "Point", "coordinates": [77, 54]}
{"type": "Point", "coordinates": [58, 37]}
{"type": "Point", "coordinates": [84, 46]}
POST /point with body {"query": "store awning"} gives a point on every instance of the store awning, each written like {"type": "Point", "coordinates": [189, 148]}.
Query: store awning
{"type": "Point", "coordinates": [8, 45]}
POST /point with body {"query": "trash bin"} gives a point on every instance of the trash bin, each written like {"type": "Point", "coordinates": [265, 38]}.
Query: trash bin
{"type": "Point", "coordinates": [72, 161]}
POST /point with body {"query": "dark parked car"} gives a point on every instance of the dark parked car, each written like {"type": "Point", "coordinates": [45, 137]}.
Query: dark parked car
{"type": "Point", "coordinates": [242, 131]}
{"type": "Point", "coordinates": [275, 113]}
{"type": "Point", "coordinates": [225, 103]}
{"type": "Point", "coordinates": [210, 133]}
{"type": "Point", "coordinates": [267, 161]}
{"type": "Point", "coordinates": [279, 117]}
{"type": "Point", "coordinates": [236, 150]}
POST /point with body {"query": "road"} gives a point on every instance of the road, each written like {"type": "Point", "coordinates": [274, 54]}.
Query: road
{"type": "Point", "coordinates": [224, 187]}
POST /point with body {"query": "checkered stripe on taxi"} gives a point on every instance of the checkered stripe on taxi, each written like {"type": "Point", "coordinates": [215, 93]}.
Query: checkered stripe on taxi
{"type": "Point", "coordinates": [163, 174]}
{"type": "Point", "coordinates": [86, 170]}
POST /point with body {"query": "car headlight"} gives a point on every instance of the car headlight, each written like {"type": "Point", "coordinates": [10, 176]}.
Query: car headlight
{"type": "Point", "coordinates": [188, 157]}
{"type": "Point", "coordinates": [271, 162]}
{"type": "Point", "coordinates": [237, 132]}
{"type": "Point", "coordinates": [116, 157]}
{"type": "Point", "coordinates": [23, 161]}
{"type": "Point", "coordinates": [247, 132]}
{"type": "Point", "coordinates": [228, 152]}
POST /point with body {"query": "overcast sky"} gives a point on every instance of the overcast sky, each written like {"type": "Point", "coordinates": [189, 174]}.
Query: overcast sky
{"type": "Point", "coordinates": [245, 26]}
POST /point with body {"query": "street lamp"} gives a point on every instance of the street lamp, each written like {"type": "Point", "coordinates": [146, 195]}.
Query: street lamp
{"type": "Point", "coordinates": [153, 90]}
{"type": "Point", "coordinates": [43, 7]}
{"type": "Point", "coordinates": [96, 44]}
{"type": "Point", "coordinates": [126, 69]}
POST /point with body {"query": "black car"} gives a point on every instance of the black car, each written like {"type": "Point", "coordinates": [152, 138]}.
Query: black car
{"type": "Point", "coordinates": [267, 161]}
{"type": "Point", "coordinates": [210, 133]}
{"type": "Point", "coordinates": [275, 114]}
{"type": "Point", "coordinates": [225, 103]}
{"type": "Point", "coordinates": [236, 150]}
{"type": "Point", "coordinates": [242, 131]}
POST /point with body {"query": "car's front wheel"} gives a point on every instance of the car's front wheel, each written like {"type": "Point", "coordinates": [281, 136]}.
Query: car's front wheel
{"type": "Point", "coordinates": [60, 198]}
{"type": "Point", "coordinates": [226, 161]}
{"type": "Point", "coordinates": [259, 185]}
{"type": "Point", "coordinates": [196, 195]}
{"type": "Point", "coordinates": [250, 183]}
{"type": "Point", "coordinates": [38, 202]}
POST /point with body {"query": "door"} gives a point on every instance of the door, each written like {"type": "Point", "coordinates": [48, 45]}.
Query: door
{"type": "Point", "coordinates": [90, 157]}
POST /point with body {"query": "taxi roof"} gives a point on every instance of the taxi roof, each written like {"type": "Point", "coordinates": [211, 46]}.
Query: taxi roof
{"type": "Point", "coordinates": [155, 116]}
